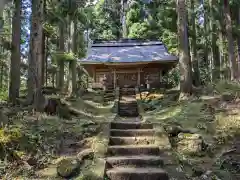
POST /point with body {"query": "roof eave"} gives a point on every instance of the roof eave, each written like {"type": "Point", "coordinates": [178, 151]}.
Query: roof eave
{"type": "Point", "coordinates": [174, 60]}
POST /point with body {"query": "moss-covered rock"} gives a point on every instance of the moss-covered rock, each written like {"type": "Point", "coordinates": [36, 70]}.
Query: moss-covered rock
{"type": "Point", "coordinates": [85, 154]}
{"type": "Point", "coordinates": [68, 167]}
{"type": "Point", "coordinates": [191, 144]}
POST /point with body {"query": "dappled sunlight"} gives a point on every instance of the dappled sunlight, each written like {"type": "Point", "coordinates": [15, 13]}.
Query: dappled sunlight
{"type": "Point", "coordinates": [89, 108]}
{"type": "Point", "coordinates": [54, 137]}
{"type": "Point", "coordinates": [167, 113]}
{"type": "Point", "coordinates": [228, 123]}
{"type": "Point", "coordinates": [215, 117]}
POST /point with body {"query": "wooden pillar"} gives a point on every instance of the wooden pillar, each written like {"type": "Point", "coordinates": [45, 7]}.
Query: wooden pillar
{"type": "Point", "coordinates": [160, 75]}
{"type": "Point", "coordinates": [139, 78]}
{"type": "Point", "coordinates": [94, 74]}
{"type": "Point", "coordinates": [114, 78]}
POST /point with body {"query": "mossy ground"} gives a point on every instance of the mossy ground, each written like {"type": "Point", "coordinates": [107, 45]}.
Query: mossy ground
{"type": "Point", "coordinates": [208, 114]}
{"type": "Point", "coordinates": [46, 139]}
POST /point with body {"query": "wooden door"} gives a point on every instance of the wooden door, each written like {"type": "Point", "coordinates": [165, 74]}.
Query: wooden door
{"type": "Point", "coordinates": [127, 79]}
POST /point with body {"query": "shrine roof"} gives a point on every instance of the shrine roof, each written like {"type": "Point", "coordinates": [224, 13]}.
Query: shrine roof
{"type": "Point", "coordinates": [127, 51]}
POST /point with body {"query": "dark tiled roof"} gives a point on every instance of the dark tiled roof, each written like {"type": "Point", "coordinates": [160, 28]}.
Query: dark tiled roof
{"type": "Point", "coordinates": [127, 51]}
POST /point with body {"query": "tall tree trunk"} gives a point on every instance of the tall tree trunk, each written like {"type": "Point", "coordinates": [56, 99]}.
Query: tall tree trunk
{"type": "Point", "coordinates": [35, 56]}
{"type": "Point", "coordinates": [206, 31]}
{"type": "Point", "coordinates": [207, 55]}
{"type": "Point", "coordinates": [2, 6]}
{"type": "Point", "coordinates": [123, 18]}
{"type": "Point", "coordinates": [184, 59]}
{"type": "Point", "coordinates": [238, 40]}
{"type": "Point", "coordinates": [43, 47]}
{"type": "Point", "coordinates": [14, 84]}
{"type": "Point", "coordinates": [53, 79]}
{"type": "Point", "coordinates": [60, 62]}
{"type": "Point", "coordinates": [214, 47]}
{"type": "Point", "coordinates": [46, 61]}
{"type": "Point", "coordinates": [196, 76]}
{"type": "Point", "coordinates": [74, 63]}
{"type": "Point", "coordinates": [1, 69]}
{"type": "Point", "coordinates": [43, 56]}
{"type": "Point", "coordinates": [1, 76]}
{"type": "Point", "coordinates": [221, 53]}
{"type": "Point", "coordinates": [231, 58]}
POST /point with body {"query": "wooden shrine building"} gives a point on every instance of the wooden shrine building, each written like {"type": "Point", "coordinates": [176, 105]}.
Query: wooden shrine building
{"type": "Point", "coordinates": [127, 63]}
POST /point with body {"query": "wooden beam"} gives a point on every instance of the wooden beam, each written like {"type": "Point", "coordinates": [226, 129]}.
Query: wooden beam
{"type": "Point", "coordinates": [141, 63]}
{"type": "Point", "coordinates": [128, 71]}
{"type": "Point", "coordinates": [160, 75]}
{"type": "Point", "coordinates": [163, 61]}
{"type": "Point", "coordinates": [94, 74]}
{"type": "Point", "coordinates": [114, 78]}
{"type": "Point", "coordinates": [139, 77]}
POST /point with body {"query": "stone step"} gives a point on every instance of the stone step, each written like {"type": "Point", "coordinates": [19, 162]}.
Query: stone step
{"type": "Point", "coordinates": [127, 111]}
{"type": "Point", "coordinates": [109, 95]}
{"type": "Point", "coordinates": [128, 120]}
{"type": "Point", "coordinates": [131, 125]}
{"type": "Point", "coordinates": [128, 114]}
{"type": "Point", "coordinates": [127, 103]}
{"type": "Point", "coordinates": [131, 132]}
{"type": "Point", "coordinates": [141, 140]}
{"type": "Point", "coordinates": [128, 108]}
{"type": "Point", "coordinates": [133, 150]}
{"type": "Point", "coordinates": [135, 161]}
{"type": "Point", "coordinates": [122, 173]}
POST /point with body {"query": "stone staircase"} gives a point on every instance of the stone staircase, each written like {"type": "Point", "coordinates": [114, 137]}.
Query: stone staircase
{"type": "Point", "coordinates": [127, 104]}
{"type": "Point", "coordinates": [109, 94]}
{"type": "Point", "coordinates": [132, 153]}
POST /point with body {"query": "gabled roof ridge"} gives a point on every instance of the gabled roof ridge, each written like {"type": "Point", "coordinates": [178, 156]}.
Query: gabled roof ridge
{"type": "Point", "coordinates": [119, 44]}
{"type": "Point", "coordinates": [125, 43]}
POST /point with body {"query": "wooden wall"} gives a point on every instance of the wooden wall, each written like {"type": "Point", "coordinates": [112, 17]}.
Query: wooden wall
{"type": "Point", "coordinates": [152, 71]}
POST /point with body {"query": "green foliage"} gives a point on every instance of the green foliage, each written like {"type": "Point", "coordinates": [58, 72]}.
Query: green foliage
{"type": "Point", "coordinates": [228, 87]}
{"type": "Point", "coordinates": [204, 75]}
{"type": "Point", "coordinates": [49, 30]}
{"type": "Point", "coordinates": [133, 16]}
{"type": "Point", "coordinates": [106, 20]}
{"type": "Point", "coordinates": [170, 39]}
{"type": "Point", "coordinates": [3, 94]}
{"type": "Point", "coordinates": [172, 77]}
{"type": "Point", "coordinates": [81, 45]}
{"type": "Point", "coordinates": [138, 30]}
{"type": "Point", "coordinates": [64, 57]}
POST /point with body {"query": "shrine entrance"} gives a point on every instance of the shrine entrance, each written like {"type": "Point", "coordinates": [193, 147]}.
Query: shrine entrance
{"type": "Point", "coordinates": [127, 79]}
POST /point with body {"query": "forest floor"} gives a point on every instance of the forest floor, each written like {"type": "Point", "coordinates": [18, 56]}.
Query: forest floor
{"type": "Point", "coordinates": [38, 144]}
{"type": "Point", "coordinates": [213, 116]}
{"type": "Point", "coordinates": [35, 145]}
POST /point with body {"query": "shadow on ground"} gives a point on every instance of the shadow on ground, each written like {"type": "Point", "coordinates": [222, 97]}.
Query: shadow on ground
{"type": "Point", "coordinates": [216, 117]}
